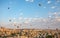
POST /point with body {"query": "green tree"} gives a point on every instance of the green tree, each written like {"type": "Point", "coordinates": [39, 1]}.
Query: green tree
{"type": "Point", "coordinates": [49, 36]}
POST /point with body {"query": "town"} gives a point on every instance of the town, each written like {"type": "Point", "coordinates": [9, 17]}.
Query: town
{"type": "Point", "coordinates": [29, 33]}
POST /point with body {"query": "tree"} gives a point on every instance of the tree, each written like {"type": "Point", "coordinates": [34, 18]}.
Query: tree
{"type": "Point", "coordinates": [49, 36]}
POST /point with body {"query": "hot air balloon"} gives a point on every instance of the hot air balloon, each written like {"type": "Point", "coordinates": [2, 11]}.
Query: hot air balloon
{"type": "Point", "coordinates": [14, 24]}
{"type": "Point", "coordinates": [10, 20]}
{"type": "Point", "coordinates": [30, 25]}
{"type": "Point", "coordinates": [17, 26]}
{"type": "Point", "coordinates": [8, 7]}
{"type": "Point", "coordinates": [39, 4]}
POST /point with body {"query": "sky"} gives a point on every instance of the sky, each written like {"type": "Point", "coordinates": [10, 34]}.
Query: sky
{"type": "Point", "coordinates": [27, 8]}
{"type": "Point", "coordinates": [22, 9]}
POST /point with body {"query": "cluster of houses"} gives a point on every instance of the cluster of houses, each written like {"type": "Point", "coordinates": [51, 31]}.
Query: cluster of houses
{"type": "Point", "coordinates": [28, 33]}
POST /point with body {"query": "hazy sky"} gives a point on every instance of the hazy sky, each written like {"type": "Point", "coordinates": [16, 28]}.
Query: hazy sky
{"type": "Point", "coordinates": [23, 9]}
{"type": "Point", "coordinates": [27, 8]}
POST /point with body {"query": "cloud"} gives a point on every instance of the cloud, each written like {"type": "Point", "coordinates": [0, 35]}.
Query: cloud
{"type": "Point", "coordinates": [58, 19]}
{"type": "Point", "coordinates": [55, 13]}
{"type": "Point", "coordinates": [26, 0]}
{"type": "Point", "coordinates": [49, 16]}
{"type": "Point", "coordinates": [29, 0]}
{"type": "Point", "coordinates": [49, 2]}
{"type": "Point", "coordinates": [53, 7]}
{"type": "Point", "coordinates": [20, 18]}
{"type": "Point", "coordinates": [14, 18]}
{"type": "Point", "coordinates": [21, 13]}
{"type": "Point", "coordinates": [44, 7]}
{"type": "Point", "coordinates": [57, 0]}
{"type": "Point", "coordinates": [39, 23]}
